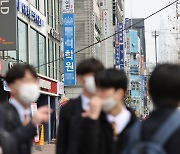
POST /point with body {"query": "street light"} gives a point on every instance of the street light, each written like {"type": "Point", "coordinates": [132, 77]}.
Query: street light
{"type": "Point", "coordinates": [155, 34]}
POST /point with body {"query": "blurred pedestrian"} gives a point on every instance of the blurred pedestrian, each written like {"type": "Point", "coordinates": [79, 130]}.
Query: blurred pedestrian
{"type": "Point", "coordinates": [106, 132]}
{"type": "Point", "coordinates": [17, 128]}
{"type": "Point", "coordinates": [70, 114]}
{"type": "Point", "coordinates": [160, 133]}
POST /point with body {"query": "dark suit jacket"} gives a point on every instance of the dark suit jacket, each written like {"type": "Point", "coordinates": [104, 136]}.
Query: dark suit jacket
{"type": "Point", "coordinates": [18, 137]}
{"type": "Point", "coordinates": [97, 136]}
{"type": "Point", "coordinates": [69, 132]}
{"type": "Point", "coordinates": [153, 123]}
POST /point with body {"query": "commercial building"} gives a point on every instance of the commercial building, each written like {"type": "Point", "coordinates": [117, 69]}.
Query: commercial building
{"type": "Point", "coordinates": [135, 69]}
{"type": "Point", "coordinates": [39, 43]}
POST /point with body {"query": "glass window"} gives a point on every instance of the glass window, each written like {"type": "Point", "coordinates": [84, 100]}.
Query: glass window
{"type": "Point", "coordinates": [11, 54]}
{"type": "Point", "coordinates": [42, 6]}
{"type": "Point", "coordinates": [34, 48]}
{"type": "Point", "coordinates": [51, 58]}
{"type": "Point", "coordinates": [22, 41]}
{"type": "Point", "coordinates": [58, 62]}
{"type": "Point", "coordinates": [33, 2]}
{"type": "Point", "coordinates": [50, 12]}
{"type": "Point", "coordinates": [42, 54]}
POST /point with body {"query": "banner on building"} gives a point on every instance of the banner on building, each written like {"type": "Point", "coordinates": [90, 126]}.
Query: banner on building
{"type": "Point", "coordinates": [69, 47]}
{"type": "Point", "coordinates": [8, 24]}
{"type": "Point", "coordinates": [127, 25]}
{"type": "Point", "coordinates": [117, 56]}
{"type": "Point", "coordinates": [105, 20]}
{"type": "Point", "coordinates": [121, 59]}
{"type": "Point", "coordinates": [68, 6]}
{"type": "Point", "coordinates": [120, 32]}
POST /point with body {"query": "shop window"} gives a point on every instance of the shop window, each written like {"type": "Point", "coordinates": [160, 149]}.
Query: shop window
{"type": "Point", "coordinates": [58, 62]}
{"type": "Point", "coordinates": [22, 41]}
{"type": "Point", "coordinates": [42, 55]}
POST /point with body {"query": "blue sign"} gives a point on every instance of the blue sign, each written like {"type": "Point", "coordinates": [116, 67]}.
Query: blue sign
{"type": "Point", "coordinates": [127, 25]}
{"type": "Point", "coordinates": [69, 47]}
{"type": "Point", "coordinates": [24, 9]}
{"type": "Point", "coordinates": [121, 59]}
{"type": "Point", "coordinates": [120, 32]}
{"type": "Point", "coordinates": [117, 56]}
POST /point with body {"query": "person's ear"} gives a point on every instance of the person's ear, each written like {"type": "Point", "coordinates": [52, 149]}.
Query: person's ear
{"type": "Point", "coordinates": [80, 79]}
{"type": "Point", "coordinates": [121, 94]}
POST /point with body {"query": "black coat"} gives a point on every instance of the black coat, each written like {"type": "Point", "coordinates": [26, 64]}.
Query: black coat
{"type": "Point", "coordinates": [153, 123]}
{"type": "Point", "coordinates": [97, 136]}
{"type": "Point", "coordinates": [69, 133]}
{"type": "Point", "coordinates": [18, 137]}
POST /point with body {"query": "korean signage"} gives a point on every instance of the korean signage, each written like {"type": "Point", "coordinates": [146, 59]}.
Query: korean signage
{"type": "Point", "coordinates": [121, 59]}
{"type": "Point", "coordinates": [68, 6]}
{"type": "Point", "coordinates": [117, 56]}
{"type": "Point", "coordinates": [8, 25]}
{"type": "Point", "coordinates": [121, 45]}
{"type": "Point", "coordinates": [105, 19]}
{"type": "Point", "coordinates": [127, 25]}
{"type": "Point", "coordinates": [69, 47]}
{"type": "Point", "coordinates": [30, 12]}
{"type": "Point", "coordinates": [120, 32]}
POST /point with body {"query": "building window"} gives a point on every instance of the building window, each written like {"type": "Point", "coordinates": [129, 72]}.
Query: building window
{"type": "Point", "coordinates": [42, 55]}
{"type": "Point", "coordinates": [50, 12]}
{"type": "Point", "coordinates": [42, 6]}
{"type": "Point", "coordinates": [34, 48]}
{"type": "Point", "coordinates": [22, 41]}
{"type": "Point", "coordinates": [34, 3]}
{"type": "Point", "coordinates": [51, 58]}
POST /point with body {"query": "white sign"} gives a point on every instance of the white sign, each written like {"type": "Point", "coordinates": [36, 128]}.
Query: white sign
{"type": "Point", "coordinates": [105, 20]}
{"type": "Point", "coordinates": [68, 6]}
{"type": "Point", "coordinates": [44, 84]}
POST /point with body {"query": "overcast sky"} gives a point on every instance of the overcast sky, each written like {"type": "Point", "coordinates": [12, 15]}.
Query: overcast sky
{"type": "Point", "coordinates": [142, 9]}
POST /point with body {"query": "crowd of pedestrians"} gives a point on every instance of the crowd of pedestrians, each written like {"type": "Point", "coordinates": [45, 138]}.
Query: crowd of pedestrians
{"type": "Point", "coordinates": [98, 121]}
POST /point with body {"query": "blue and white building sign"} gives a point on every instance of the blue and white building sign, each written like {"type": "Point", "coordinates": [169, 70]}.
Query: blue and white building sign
{"type": "Point", "coordinates": [117, 56]}
{"type": "Point", "coordinates": [120, 32]}
{"type": "Point", "coordinates": [30, 12]}
{"type": "Point", "coordinates": [121, 59]}
{"type": "Point", "coordinates": [69, 47]}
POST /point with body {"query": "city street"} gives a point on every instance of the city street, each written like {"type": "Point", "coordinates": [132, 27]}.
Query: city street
{"type": "Point", "coordinates": [47, 149]}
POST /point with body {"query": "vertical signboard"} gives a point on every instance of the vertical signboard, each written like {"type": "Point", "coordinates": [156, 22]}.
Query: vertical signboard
{"type": "Point", "coordinates": [8, 24]}
{"type": "Point", "coordinates": [117, 56]}
{"type": "Point", "coordinates": [69, 47]}
{"type": "Point", "coordinates": [120, 32]}
{"type": "Point", "coordinates": [121, 45]}
{"type": "Point", "coordinates": [68, 6]}
{"type": "Point", "coordinates": [127, 25]}
{"type": "Point", "coordinates": [105, 19]}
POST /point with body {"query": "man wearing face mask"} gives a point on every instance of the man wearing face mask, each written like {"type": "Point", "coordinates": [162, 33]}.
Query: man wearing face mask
{"type": "Point", "coordinates": [106, 132]}
{"type": "Point", "coordinates": [70, 114]}
{"type": "Point", "coordinates": [16, 125]}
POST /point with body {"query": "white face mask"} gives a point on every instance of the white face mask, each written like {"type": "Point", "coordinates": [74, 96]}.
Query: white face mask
{"type": "Point", "coordinates": [90, 84]}
{"type": "Point", "coordinates": [108, 105]}
{"type": "Point", "coordinates": [29, 93]}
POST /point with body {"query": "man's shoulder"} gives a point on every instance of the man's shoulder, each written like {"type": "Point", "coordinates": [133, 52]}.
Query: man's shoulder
{"type": "Point", "coordinates": [72, 102]}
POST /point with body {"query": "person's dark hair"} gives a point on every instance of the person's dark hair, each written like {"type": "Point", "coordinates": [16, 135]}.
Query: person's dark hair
{"type": "Point", "coordinates": [164, 85]}
{"type": "Point", "coordinates": [111, 78]}
{"type": "Point", "coordinates": [91, 65]}
{"type": "Point", "coordinates": [18, 72]}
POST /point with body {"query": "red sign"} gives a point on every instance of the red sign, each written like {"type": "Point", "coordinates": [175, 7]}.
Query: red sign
{"type": "Point", "coordinates": [48, 85]}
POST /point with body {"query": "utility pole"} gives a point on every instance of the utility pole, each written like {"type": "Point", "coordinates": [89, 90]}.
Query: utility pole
{"type": "Point", "coordinates": [155, 34]}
